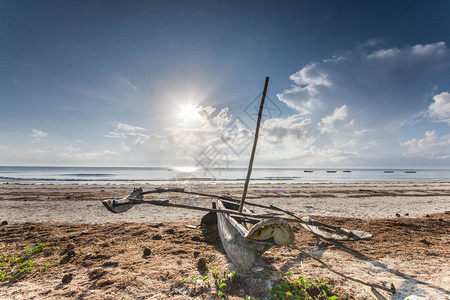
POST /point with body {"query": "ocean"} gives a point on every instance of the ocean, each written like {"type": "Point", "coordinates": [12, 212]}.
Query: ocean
{"type": "Point", "coordinates": [168, 175]}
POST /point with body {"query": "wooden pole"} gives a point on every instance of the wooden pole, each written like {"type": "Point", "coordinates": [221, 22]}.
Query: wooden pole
{"type": "Point", "coordinates": [255, 141]}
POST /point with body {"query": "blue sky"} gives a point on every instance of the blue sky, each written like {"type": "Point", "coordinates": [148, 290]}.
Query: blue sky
{"type": "Point", "coordinates": [171, 83]}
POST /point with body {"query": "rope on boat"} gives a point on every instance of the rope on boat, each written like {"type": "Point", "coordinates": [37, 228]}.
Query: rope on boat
{"type": "Point", "coordinates": [372, 285]}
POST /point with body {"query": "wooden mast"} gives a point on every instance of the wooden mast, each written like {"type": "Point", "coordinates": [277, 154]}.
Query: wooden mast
{"type": "Point", "coordinates": [255, 141]}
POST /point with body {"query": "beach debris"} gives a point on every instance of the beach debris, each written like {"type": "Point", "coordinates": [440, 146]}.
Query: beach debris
{"type": "Point", "coordinates": [377, 294]}
{"type": "Point", "coordinates": [147, 251]}
{"type": "Point", "coordinates": [322, 244]}
{"type": "Point", "coordinates": [201, 263]}
{"type": "Point", "coordinates": [407, 215]}
{"type": "Point", "coordinates": [67, 278]}
{"type": "Point", "coordinates": [191, 226]}
{"type": "Point", "coordinates": [71, 253]}
{"type": "Point", "coordinates": [4, 222]}
{"type": "Point", "coordinates": [426, 242]}
{"type": "Point", "coordinates": [397, 215]}
{"type": "Point", "coordinates": [70, 246]}
{"type": "Point", "coordinates": [280, 192]}
{"type": "Point", "coordinates": [156, 237]}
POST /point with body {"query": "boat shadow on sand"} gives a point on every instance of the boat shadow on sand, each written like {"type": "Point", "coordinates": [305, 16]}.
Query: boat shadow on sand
{"type": "Point", "coordinates": [324, 244]}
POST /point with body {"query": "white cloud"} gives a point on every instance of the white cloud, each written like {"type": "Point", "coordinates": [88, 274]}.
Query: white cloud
{"type": "Point", "coordinates": [361, 132]}
{"type": "Point", "coordinates": [311, 77]}
{"type": "Point", "coordinates": [417, 52]}
{"type": "Point", "coordinates": [276, 130]}
{"type": "Point", "coordinates": [350, 124]}
{"type": "Point", "coordinates": [431, 145]}
{"type": "Point", "coordinates": [38, 135]}
{"type": "Point", "coordinates": [127, 127]}
{"type": "Point", "coordinates": [327, 123]}
{"type": "Point", "coordinates": [133, 138]}
{"type": "Point", "coordinates": [335, 58]}
{"type": "Point", "coordinates": [204, 114]}
{"type": "Point", "coordinates": [384, 53]}
{"type": "Point", "coordinates": [371, 43]}
{"type": "Point", "coordinates": [304, 95]}
{"type": "Point", "coordinates": [439, 110]}
{"type": "Point", "coordinates": [128, 84]}
{"type": "Point", "coordinates": [438, 49]}
{"type": "Point", "coordinates": [222, 118]}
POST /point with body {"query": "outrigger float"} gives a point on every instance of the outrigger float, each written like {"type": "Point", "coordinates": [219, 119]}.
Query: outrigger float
{"type": "Point", "coordinates": [245, 235]}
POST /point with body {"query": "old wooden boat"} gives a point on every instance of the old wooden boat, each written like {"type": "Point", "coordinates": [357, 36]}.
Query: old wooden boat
{"type": "Point", "coordinates": [246, 239]}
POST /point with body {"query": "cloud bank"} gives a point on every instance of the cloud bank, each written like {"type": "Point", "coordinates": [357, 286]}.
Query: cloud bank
{"type": "Point", "coordinates": [377, 83]}
{"type": "Point", "coordinates": [370, 107]}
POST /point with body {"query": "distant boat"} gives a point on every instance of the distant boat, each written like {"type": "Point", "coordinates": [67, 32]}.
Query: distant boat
{"type": "Point", "coordinates": [347, 171]}
{"type": "Point", "coordinates": [388, 171]}
{"type": "Point", "coordinates": [331, 171]}
{"type": "Point", "coordinates": [170, 170]}
{"type": "Point", "coordinates": [410, 171]}
{"type": "Point", "coordinates": [308, 171]}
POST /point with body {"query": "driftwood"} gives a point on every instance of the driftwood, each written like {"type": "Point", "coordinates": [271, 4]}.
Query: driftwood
{"type": "Point", "coordinates": [377, 294]}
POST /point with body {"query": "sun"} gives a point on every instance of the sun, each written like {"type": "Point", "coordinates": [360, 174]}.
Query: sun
{"type": "Point", "coordinates": [188, 113]}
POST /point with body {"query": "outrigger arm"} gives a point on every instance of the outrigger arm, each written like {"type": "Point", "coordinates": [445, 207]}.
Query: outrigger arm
{"type": "Point", "coordinates": [319, 228]}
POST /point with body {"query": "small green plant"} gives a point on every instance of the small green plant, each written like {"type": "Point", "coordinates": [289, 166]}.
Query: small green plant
{"type": "Point", "coordinates": [213, 278]}
{"type": "Point", "coordinates": [302, 288]}
{"type": "Point", "coordinates": [36, 249]}
{"type": "Point", "coordinates": [12, 266]}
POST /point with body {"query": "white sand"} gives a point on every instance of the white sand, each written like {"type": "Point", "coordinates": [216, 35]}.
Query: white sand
{"type": "Point", "coordinates": [82, 203]}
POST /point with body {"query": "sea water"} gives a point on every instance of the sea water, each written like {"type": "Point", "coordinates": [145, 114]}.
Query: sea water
{"type": "Point", "coordinates": [170, 175]}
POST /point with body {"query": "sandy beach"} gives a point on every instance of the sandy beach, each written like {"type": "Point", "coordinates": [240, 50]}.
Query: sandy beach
{"type": "Point", "coordinates": [409, 247]}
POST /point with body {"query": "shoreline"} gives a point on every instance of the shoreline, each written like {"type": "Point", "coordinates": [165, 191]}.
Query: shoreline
{"type": "Point", "coordinates": [80, 203]}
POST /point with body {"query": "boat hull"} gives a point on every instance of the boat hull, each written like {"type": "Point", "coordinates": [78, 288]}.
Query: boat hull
{"type": "Point", "coordinates": [245, 246]}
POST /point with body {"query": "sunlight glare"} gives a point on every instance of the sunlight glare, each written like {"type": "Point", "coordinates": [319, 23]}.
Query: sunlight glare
{"type": "Point", "coordinates": [188, 113]}
{"type": "Point", "coordinates": [186, 169]}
